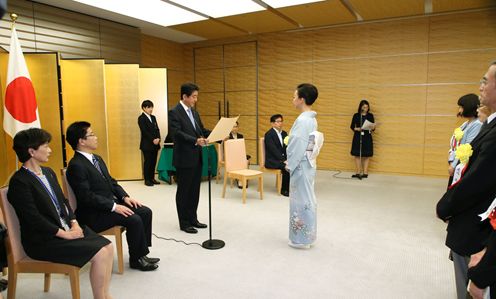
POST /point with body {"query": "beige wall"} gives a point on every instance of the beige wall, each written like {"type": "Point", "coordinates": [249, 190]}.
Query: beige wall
{"type": "Point", "coordinates": [411, 70]}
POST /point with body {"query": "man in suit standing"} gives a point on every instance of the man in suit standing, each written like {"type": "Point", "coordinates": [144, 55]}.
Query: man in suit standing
{"type": "Point", "coordinates": [275, 150]}
{"type": "Point", "coordinates": [482, 271]}
{"type": "Point", "coordinates": [102, 202]}
{"type": "Point", "coordinates": [470, 196]}
{"type": "Point", "coordinates": [189, 136]}
{"type": "Point", "coordinates": [150, 142]}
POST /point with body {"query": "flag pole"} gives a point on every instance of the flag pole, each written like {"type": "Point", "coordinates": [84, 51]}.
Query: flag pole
{"type": "Point", "coordinates": [13, 17]}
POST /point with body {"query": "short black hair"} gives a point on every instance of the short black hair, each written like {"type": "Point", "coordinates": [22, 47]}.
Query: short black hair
{"type": "Point", "coordinates": [146, 104]}
{"type": "Point", "coordinates": [469, 103]}
{"type": "Point", "coordinates": [188, 89]}
{"type": "Point", "coordinates": [362, 103]}
{"type": "Point", "coordinates": [77, 130]}
{"type": "Point", "coordinates": [30, 138]}
{"type": "Point", "coordinates": [274, 117]}
{"type": "Point", "coordinates": [308, 92]}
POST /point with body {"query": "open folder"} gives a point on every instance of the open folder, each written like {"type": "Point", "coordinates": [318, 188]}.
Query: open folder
{"type": "Point", "coordinates": [222, 129]}
{"type": "Point", "coordinates": [367, 125]}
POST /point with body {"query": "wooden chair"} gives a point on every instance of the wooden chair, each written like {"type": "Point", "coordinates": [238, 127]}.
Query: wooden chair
{"type": "Point", "coordinates": [18, 260]}
{"type": "Point", "coordinates": [236, 166]}
{"type": "Point", "coordinates": [220, 160]}
{"type": "Point", "coordinates": [261, 164]}
{"type": "Point", "coordinates": [115, 231]}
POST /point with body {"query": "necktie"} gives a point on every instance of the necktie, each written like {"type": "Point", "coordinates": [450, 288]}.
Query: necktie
{"type": "Point", "coordinates": [190, 115]}
{"type": "Point", "coordinates": [97, 165]}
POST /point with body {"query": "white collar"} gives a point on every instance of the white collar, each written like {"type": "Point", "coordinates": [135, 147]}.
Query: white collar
{"type": "Point", "coordinates": [87, 156]}
{"type": "Point", "coordinates": [491, 117]}
{"type": "Point", "coordinates": [186, 108]}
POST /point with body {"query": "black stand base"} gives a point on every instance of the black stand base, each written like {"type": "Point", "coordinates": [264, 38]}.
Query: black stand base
{"type": "Point", "coordinates": [213, 244]}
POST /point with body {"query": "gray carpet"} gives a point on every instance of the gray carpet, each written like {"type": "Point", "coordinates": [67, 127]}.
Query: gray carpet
{"type": "Point", "coordinates": [377, 238]}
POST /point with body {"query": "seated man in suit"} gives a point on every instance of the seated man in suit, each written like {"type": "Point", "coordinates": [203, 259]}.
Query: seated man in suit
{"type": "Point", "coordinates": [102, 202]}
{"type": "Point", "coordinates": [275, 150]}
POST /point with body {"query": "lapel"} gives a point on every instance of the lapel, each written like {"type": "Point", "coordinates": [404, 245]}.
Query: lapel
{"type": "Point", "coordinates": [94, 173]}
{"type": "Point", "coordinates": [185, 117]}
{"type": "Point", "coordinates": [276, 140]}
{"type": "Point", "coordinates": [485, 129]}
{"type": "Point", "coordinates": [43, 195]}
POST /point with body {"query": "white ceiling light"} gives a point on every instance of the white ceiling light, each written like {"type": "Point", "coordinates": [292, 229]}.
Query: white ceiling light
{"type": "Point", "coordinates": [153, 11]}
{"type": "Point", "coordinates": [284, 3]}
{"type": "Point", "coordinates": [220, 8]}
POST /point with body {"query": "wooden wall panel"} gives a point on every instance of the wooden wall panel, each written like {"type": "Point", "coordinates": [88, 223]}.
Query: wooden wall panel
{"type": "Point", "coordinates": [341, 42]}
{"type": "Point", "coordinates": [123, 108]}
{"type": "Point", "coordinates": [208, 58]}
{"type": "Point", "coordinates": [280, 47]}
{"type": "Point", "coordinates": [210, 80]}
{"type": "Point", "coordinates": [284, 76]}
{"type": "Point", "coordinates": [442, 99]}
{"type": "Point", "coordinates": [242, 102]}
{"type": "Point", "coordinates": [241, 78]}
{"type": "Point", "coordinates": [208, 103]}
{"type": "Point", "coordinates": [240, 54]}
{"type": "Point", "coordinates": [44, 28]}
{"type": "Point", "coordinates": [463, 31]}
{"type": "Point", "coordinates": [470, 66]}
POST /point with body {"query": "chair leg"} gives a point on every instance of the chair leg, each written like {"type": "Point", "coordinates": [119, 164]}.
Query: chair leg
{"type": "Point", "coordinates": [218, 173]}
{"type": "Point", "coordinates": [224, 188]}
{"type": "Point", "coordinates": [260, 186]}
{"type": "Point", "coordinates": [279, 183]}
{"type": "Point", "coordinates": [11, 289]}
{"type": "Point", "coordinates": [74, 276]}
{"type": "Point", "coordinates": [47, 282]}
{"type": "Point", "coordinates": [120, 255]}
{"type": "Point", "coordinates": [244, 189]}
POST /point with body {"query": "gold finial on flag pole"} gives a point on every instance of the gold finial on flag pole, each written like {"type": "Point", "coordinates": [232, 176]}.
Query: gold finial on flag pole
{"type": "Point", "coordinates": [13, 17]}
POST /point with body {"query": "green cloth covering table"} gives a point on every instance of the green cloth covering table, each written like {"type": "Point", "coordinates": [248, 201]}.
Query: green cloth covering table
{"type": "Point", "coordinates": [165, 166]}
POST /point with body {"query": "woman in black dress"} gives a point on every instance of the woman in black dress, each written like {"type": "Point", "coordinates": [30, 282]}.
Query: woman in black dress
{"type": "Point", "coordinates": [49, 229]}
{"type": "Point", "coordinates": [362, 147]}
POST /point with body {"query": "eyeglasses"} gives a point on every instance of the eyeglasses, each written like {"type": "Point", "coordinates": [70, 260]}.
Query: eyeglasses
{"type": "Point", "coordinates": [90, 135]}
{"type": "Point", "coordinates": [278, 121]}
{"type": "Point", "coordinates": [483, 81]}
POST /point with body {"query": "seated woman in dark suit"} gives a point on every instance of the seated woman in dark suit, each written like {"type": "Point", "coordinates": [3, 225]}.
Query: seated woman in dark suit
{"type": "Point", "coordinates": [49, 230]}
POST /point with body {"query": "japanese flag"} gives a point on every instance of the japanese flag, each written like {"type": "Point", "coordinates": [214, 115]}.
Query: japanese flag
{"type": "Point", "coordinates": [20, 108]}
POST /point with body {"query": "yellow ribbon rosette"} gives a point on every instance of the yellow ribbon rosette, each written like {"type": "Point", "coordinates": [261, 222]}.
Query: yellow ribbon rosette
{"type": "Point", "coordinates": [458, 134]}
{"type": "Point", "coordinates": [286, 140]}
{"type": "Point", "coordinates": [464, 152]}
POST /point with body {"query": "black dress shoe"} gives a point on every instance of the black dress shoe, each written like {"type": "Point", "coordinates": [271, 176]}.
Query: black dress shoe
{"type": "Point", "coordinates": [156, 182]}
{"type": "Point", "coordinates": [151, 260]}
{"type": "Point", "coordinates": [285, 193]}
{"type": "Point", "coordinates": [148, 183]}
{"type": "Point", "coordinates": [189, 230]}
{"type": "Point", "coordinates": [142, 264]}
{"type": "Point", "coordinates": [364, 176]}
{"type": "Point", "coordinates": [200, 225]}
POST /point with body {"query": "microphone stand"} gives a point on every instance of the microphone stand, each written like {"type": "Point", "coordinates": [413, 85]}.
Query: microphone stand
{"type": "Point", "coordinates": [361, 134]}
{"type": "Point", "coordinates": [211, 244]}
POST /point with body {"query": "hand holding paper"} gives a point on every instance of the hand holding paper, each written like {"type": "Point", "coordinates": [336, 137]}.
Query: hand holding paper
{"type": "Point", "coordinates": [367, 125]}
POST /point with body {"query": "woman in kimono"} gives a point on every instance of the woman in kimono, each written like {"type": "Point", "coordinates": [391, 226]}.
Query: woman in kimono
{"type": "Point", "coordinates": [49, 230]}
{"type": "Point", "coordinates": [304, 144]}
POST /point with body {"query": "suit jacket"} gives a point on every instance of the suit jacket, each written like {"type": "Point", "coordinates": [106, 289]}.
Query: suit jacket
{"type": "Point", "coordinates": [240, 136]}
{"type": "Point", "coordinates": [471, 196]}
{"type": "Point", "coordinates": [149, 131]}
{"type": "Point", "coordinates": [275, 153]}
{"type": "Point", "coordinates": [184, 135]}
{"type": "Point", "coordinates": [38, 217]}
{"type": "Point", "coordinates": [484, 273]}
{"type": "Point", "coordinates": [95, 193]}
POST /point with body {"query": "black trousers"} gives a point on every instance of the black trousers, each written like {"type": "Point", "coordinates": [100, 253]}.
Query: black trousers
{"type": "Point", "coordinates": [285, 181]}
{"type": "Point", "coordinates": [188, 194]}
{"type": "Point", "coordinates": [149, 163]}
{"type": "Point", "coordinates": [138, 229]}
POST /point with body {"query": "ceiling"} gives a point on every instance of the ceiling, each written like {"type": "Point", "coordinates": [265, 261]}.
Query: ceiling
{"type": "Point", "coordinates": [318, 14]}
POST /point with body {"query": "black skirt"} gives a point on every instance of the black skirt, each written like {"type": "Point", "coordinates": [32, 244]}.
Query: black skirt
{"type": "Point", "coordinates": [75, 252]}
{"type": "Point", "coordinates": [367, 145]}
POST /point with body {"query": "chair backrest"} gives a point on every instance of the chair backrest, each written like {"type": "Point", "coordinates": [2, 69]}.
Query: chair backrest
{"type": "Point", "coordinates": [68, 192]}
{"type": "Point", "coordinates": [235, 154]}
{"type": "Point", "coordinates": [13, 228]}
{"type": "Point", "coordinates": [220, 151]}
{"type": "Point", "coordinates": [261, 153]}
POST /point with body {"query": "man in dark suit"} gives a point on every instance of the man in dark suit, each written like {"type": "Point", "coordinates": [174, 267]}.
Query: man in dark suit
{"type": "Point", "coordinates": [471, 195]}
{"type": "Point", "coordinates": [150, 142]}
{"type": "Point", "coordinates": [275, 150]}
{"type": "Point", "coordinates": [482, 271]}
{"type": "Point", "coordinates": [102, 202]}
{"type": "Point", "coordinates": [189, 136]}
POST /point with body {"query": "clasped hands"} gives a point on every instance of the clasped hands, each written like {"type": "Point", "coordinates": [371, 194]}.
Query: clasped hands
{"type": "Point", "coordinates": [475, 291]}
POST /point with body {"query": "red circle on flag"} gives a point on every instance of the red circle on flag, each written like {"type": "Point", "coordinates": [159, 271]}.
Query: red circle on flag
{"type": "Point", "coordinates": [20, 100]}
